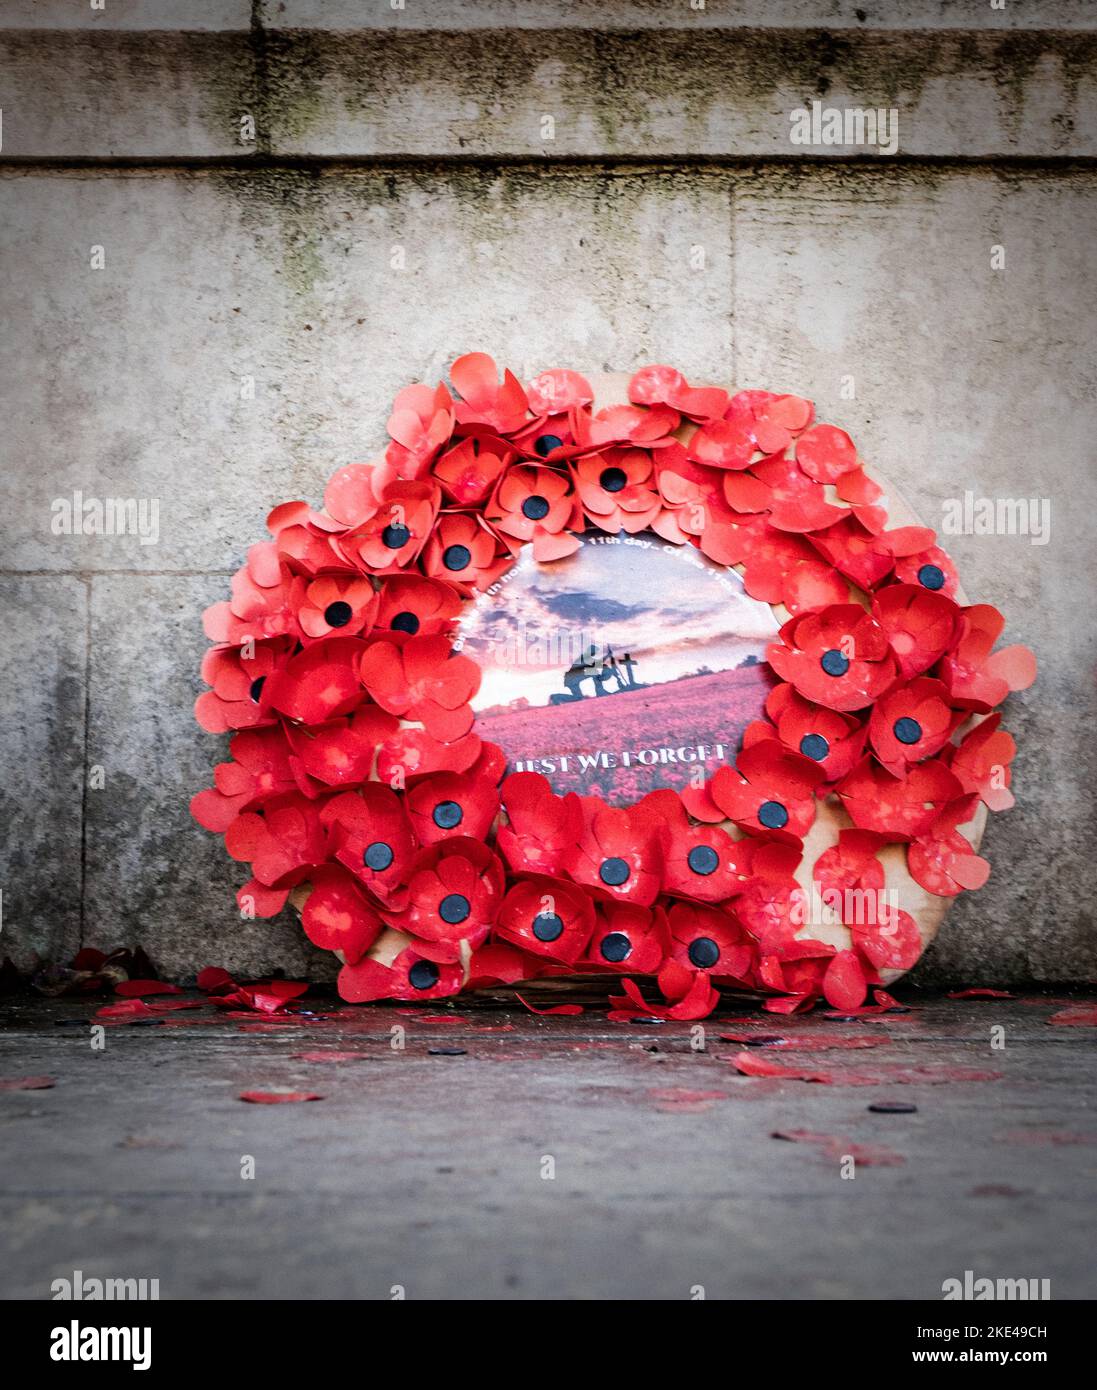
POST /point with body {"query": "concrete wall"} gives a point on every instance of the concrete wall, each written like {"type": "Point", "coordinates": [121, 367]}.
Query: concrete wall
{"type": "Point", "coordinates": [271, 258]}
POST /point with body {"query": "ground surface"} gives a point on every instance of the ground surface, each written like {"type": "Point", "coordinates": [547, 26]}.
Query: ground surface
{"type": "Point", "coordinates": [426, 1170]}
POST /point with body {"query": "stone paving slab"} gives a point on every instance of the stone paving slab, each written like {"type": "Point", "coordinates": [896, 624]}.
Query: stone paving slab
{"type": "Point", "coordinates": [426, 1171]}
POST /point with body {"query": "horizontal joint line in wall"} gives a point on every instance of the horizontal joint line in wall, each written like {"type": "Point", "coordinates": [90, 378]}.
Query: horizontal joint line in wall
{"type": "Point", "coordinates": [603, 163]}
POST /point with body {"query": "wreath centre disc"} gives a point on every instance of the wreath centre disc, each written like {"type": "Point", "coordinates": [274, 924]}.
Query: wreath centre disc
{"type": "Point", "coordinates": [627, 666]}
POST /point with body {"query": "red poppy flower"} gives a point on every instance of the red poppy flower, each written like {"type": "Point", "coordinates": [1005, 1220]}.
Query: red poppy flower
{"type": "Point", "coordinates": [703, 861]}
{"type": "Point", "coordinates": [547, 917]}
{"type": "Point", "coordinates": [931, 568]}
{"type": "Point", "coordinates": [463, 551]}
{"type": "Point", "coordinates": [391, 539]}
{"type": "Point", "coordinates": [667, 386]}
{"type": "Point", "coordinates": [470, 470]}
{"type": "Point", "coordinates": [780, 488]}
{"type": "Point", "coordinates": [238, 676]}
{"type": "Point", "coordinates": [320, 683]}
{"type": "Point", "coordinates": [541, 829]}
{"type": "Point", "coordinates": [447, 803]}
{"type": "Point", "coordinates": [558, 390]}
{"type": "Point", "coordinates": [772, 906]}
{"type": "Point", "coordinates": [911, 722]}
{"type": "Point", "coordinates": [982, 763]}
{"type": "Point", "coordinates": [408, 976]}
{"type": "Point", "coordinates": [424, 681]}
{"type": "Point", "coordinates": [282, 843]}
{"type": "Point", "coordinates": [855, 549]}
{"type": "Point", "coordinates": [628, 937]}
{"type": "Point", "coordinates": [617, 490]}
{"type": "Point", "coordinates": [484, 401]}
{"type": "Point", "coordinates": [834, 741]}
{"type": "Point", "coordinates": [454, 892]}
{"type": "Point", "coordinates": [351, 496]}
{"type": "Point", "coordinates": [495, 963]}
{"type": "Point", "coordinates": [698, 1002]}
{"type": "Point", "coordinates": [825, 453]}
{"type": "Point", "coordinates": [420, 424]}
{"type": "Point", "coordinates": [328, 606]}
{"type": "Point", "coordinates": [844, 983]}
{"type": "Point", "coordinates": [537, 504]}
{"type": "Point", "coordinates": [778, 567]}
{"type": "Point", "coordinates": [773, 420]}
{"type": "Point", "coordinates": [260, 604]}
{"type": "Point", "coordinates": [848, 865]}
{"type": "Point", "coordinates": [920, 625]}
{"type": "Point", "coordinates": [891, 941]}
{"type": "Point", "coordinates": [903, 808]}
{"type": "Point", "coordinates": [411, 606]}
{"type": "Point", "coordinates": [707, 940]}
{"type": "Point", "coordinates": [723, 444]}
{"type": "Point", "coordinates": [942, 859]}
{"type": "Point", "coordinates": [337, 916]}
{"type": "Point", "coordinates": [308, 540]}
{"type": "Point", "coordinates": [977, 677]}
{"type": "Point", "coordinates": [260, 770]}
{"type": "Point", "coordinates": [838, 657]}
{"type": "Point", "coordinates": [340, 753]}
{"type": "Point", "coordinates": [617, 853]}
{"type": "Point", "coordinates": [411, 752]}
{"type": "Point", "coordinates": [625, 425]}
{"type": "Point", "coordinates": [768, 791]}
{"type": "Point", "coordinates": [371, 835]}
{"type": "Point", "coordinates": [557, 398]}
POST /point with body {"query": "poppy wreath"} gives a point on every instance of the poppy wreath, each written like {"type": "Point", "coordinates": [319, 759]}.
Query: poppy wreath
{"type": "Point", "coordinates": [358, 788]}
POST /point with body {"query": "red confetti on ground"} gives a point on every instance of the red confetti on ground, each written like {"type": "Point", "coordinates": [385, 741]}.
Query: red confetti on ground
{"type": "Point", "coordinates": [568, 1010]}
{"type": "Point", "coordinates": [330, 1057]}
{"type": "Point", "coordinates": [836, 1148]}
{"type": "Point", "coordinates": [128, 1008]}
{"type": "Point", "coordinates": [679, 1098]}
{"type": "Point", "coordinates": [806, 1044]}
{"type": "Point", "coordinates": [278, 1097]}
{"type": "Point", "coordinates": [750, 1064]}
{"type": "Point", "coordinates": [26, 1083]}
{"type": "Point", "coordinates": [1083, 1017]}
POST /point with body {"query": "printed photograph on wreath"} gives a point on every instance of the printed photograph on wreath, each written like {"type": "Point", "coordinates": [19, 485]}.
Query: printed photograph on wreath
{"type": "Point", "coordinates": [673, 638]}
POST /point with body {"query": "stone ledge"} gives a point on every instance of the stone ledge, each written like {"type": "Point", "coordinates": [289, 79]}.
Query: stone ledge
{"type": "Point", "coordinates": [716, 94]}
{"type": "Point", "coordinates": [343, 16]}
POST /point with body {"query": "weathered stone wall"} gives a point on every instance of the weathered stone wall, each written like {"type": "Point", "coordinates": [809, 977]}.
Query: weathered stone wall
{"type": "Point", "coordinates": [272, 258]}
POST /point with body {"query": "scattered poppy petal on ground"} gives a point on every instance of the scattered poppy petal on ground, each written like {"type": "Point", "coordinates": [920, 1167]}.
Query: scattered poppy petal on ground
{"type": "Point", "coordinates": [332, 1056]}
{"type": "Point", "coordinates": [837, 1148]}
{"type": "Point", "coordinates": [567, 1010]}
{"type": "Point", "coordinates": [278, 1097]}
{"type": "Point", "coordinates": [981, 994]}
{"type": "Point", "coordinates": [26, 1083]}
{"type": "Point", "coordinates": [1084, 1016]}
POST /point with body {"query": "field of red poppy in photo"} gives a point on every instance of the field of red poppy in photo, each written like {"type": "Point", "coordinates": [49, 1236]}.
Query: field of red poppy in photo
{"type": "Point", "coordinates": [707, 709]}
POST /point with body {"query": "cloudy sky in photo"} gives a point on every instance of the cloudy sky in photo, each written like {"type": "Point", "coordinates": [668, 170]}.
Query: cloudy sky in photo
{"type": "Point", "coordinates": [667, 606]}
